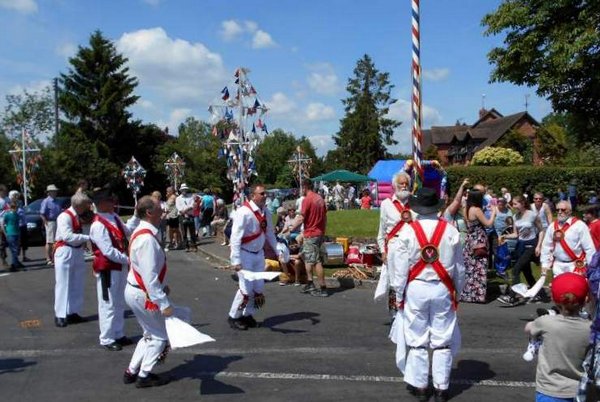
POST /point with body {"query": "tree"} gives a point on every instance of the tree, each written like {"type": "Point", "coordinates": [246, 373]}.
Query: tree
{"type": "Point", "coordinates": [199, 149]}
{"type": "Point", "coordinates": [517, 142]}
{"type": "Point", "coordinates": [496, 156]}
{"type": "Point", "coordinates": [553, 45]}
{"type": "Point", "coordinates": [365, 130]}
{"type": "Point", "coordinates": [95, 96]}
{"type": "Point", "coordinates": [551, 143]}
{"type": "Point", "coordinates": [272, 155]}
{"type": "Point", "coordinates": [29, 111]}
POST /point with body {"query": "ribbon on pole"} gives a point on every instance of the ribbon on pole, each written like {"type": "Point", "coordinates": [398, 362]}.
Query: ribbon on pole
{"type": "Point", "coordinates": [134, 174]}
{"type": "Point", "coordinates": [26, 159]}
{"type": "Point", "coordinates": [237, 116]}
{"type": "Point", "coordinates": [417, 139]}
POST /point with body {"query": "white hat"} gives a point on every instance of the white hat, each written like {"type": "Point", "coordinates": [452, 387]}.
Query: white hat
{"type": "Point", "coordinates": [51, 187]}
{"type": "Point", "coordinates": [13, 194]}
{"type": "Point", "coordinates": [184, 187]}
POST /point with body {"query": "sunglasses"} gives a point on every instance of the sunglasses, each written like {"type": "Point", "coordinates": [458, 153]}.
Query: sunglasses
{"type": "Point", "coordinates": [561, 210]}
{"type": "Point", "coordinates": [538, 199]}
{"type": "Point", "coordinates": [263, 193]}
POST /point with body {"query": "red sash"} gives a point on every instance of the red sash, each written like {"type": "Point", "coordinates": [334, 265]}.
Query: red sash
{"type": "Point", "coordinates": [150, 306]}
{"type": "Point", "coordinates": [262, 221]}
{"type": "Point", "coordinates": [402, 210]}
{"type": "Point", "coordinates": [76, 229]}
{"type": "Point", "coordinates": [430, 255]}
{"type": "Point", "coordinates": [118, 240]}
{"type": "Point", "coordinates": [580, 264]}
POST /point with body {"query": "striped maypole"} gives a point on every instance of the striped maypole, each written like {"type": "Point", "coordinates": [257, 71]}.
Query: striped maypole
{"type": "Point", "coordinates": [416, 95]}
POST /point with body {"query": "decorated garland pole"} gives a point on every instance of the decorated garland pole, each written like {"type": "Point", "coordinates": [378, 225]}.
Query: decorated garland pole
{"type": "Point", "coordinates": [175, 166]}
{"type": "Point", "coordinates": [300, 166]}
{"type": "Point", "coordinates": [417, 101]}
{"type": "Point", "coordinates": [25, 164]}
{"type": "Point", "coordinates": [134, 174]}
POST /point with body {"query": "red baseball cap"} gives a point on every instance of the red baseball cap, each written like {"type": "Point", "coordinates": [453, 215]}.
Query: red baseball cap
{"type": "Point", "coordinates": [569, 283]}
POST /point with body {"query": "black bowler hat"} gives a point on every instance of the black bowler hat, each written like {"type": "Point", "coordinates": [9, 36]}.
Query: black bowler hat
{"type": "Point", "coordinates": [425, 201]}
{"type": "Point", "coordinates": [103, 193]}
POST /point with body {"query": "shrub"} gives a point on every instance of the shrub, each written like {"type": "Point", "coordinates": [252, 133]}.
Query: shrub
{"type": "Point", "coordinates": [496, 156]}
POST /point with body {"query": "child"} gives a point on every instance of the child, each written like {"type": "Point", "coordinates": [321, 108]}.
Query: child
{"type": "Point", "coordinates": [12, 230]}
{"type": "Point", "coordinates": [564, 341]}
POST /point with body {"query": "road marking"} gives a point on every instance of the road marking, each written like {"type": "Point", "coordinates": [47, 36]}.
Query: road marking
{"type": "Point", "coordinates": [363, 378]}
{"type": "Point", "coordinates": [6, 274]}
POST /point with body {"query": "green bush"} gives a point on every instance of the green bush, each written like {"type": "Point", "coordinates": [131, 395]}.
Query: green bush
{"type": "Point", "coordinates": [496, 156]}
{"type": "Point", "coordinates": [547, 179]}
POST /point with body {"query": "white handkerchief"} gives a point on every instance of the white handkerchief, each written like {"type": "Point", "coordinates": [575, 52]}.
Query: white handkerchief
{"type": "Point", "coordinates": [254, 276]}
{"type": "Point", "coordinates": [182, 334]}
{"type": "Point", "coordinates": [536, 287]}
{"type": "Point", "coordinates": [520, 288]}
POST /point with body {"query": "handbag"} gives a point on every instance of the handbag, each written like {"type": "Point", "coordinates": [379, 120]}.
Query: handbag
{"type": "Point", "coordinates": [480, 250]}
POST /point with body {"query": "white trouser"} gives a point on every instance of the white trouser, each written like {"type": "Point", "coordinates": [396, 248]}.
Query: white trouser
{"type": "Point", "coordinates": [559, 267]}
{"type": "Point", "coordinates": [69, 274]}
{"type": "Point", "coordinates": [391, 262]}
{"type": "Point", "coordinates": [429, 323]}
{"type": "Point", "coordinates": [154, 340]}
{"type": "Point", "coordinates": [111, 312]}
{"type": "Point", "coordinates": [247, 289]}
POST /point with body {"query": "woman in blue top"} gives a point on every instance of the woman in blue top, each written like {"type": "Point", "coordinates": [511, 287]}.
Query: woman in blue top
{"type": "Point", "coordinates": [11, 228]}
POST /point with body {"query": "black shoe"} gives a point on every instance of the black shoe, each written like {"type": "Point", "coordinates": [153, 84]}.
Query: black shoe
{"type": "Point", "coordinates": [542, 311]}
{"type": "Point", "coordinates": [60, 322]}
{"type": "Point", "coordinates": [322, 292]}
{"type": "Point", "coordinates": [237, 324]}
{"type": "Point", "coordinates": [12, 268]}
{"type": "Point", "coordinates": [152, 380]}
{"type": "Point", "coordinates": [421, 394]}
{"type": "Point", "coordinates": [113, 347]}
{"type": "Point", "coordinates": [75, 318]}
{"type": "Point", "coordinates": [124, 341]}
{"type": "Point", "coordinates": [309, 287]}
{"type": "Point", "coordinates": [507, 299]}
{"type": "Point", "coordinates": [249, 321]}
{"type": "Point", "coordinates": [440, 395]}
{"type": "Point", "coordinates": [129, 378]}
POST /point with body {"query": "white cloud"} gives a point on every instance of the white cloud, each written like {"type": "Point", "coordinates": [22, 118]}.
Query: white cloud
{"type": "Point", "coordinates": [21, 6]}
{"type": "Point", "coordinates": [401, 111]}
{"type": "Point", "coordinates": [178, 71]}
{"type": "Point", "coordinates": [318, 111]}
{"type": "Point", "coordinates": [262, 40]}
{"type": "Point", "coordinates": [436, 74]}
{"type": "Point", "coordinates": [322, 143]}
{"type": "Point", "coordinates": [66, 50]}
{"type": "Point", "coordinates": [153, 3]}
{"type": "Point", "coordinates": [230, 29]}
{"type": "Point", "coordinates": [323, 79]}
{"type": "Point", "coordinates": [281, 105]}
{"type": "Point", "coordinates": [32, 87]}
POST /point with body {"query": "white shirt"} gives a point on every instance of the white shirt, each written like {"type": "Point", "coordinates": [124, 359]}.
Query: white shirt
{"type": "Point", "coordinates": [99, 235]}
{"type": "Point", "coordinates": [409, 252]}
{"type": "Point", "coordinates": [148, 258]}
{"type": "Point", "coordinates": [388, 217]}
{"type": "Point", "coordinates": [64, 230]}
{"type": "Point", "coordinates": [246, 224]}
{"type": "Point", "coordinates": [578, 239]}
{"type": "Point", "coordinates": [184, 204]}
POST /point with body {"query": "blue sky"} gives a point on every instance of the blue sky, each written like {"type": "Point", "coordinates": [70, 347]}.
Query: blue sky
{"type": "Point", "coordinates": [300, 53]}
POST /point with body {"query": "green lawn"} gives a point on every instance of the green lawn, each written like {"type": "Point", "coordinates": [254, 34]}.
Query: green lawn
{"type": "Point", "coordinates": [354, 223]}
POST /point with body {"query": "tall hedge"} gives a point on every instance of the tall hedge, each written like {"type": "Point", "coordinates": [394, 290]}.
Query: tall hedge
{"type": "Point", "coordinates": [547, 179]}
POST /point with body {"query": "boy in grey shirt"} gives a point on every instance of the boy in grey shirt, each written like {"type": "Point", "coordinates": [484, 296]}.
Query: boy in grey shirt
{"type": "Point", "coordinates": [564, 341]}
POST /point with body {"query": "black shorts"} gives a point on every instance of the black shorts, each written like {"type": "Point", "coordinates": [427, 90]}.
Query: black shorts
{"type": "Point", "coordinates": [173, 223]}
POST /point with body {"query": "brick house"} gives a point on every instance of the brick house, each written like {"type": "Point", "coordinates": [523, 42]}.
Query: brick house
{"type": "Point", "coordinates": [457, 144]}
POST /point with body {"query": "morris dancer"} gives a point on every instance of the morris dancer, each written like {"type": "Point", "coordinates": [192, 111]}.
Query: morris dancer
{"type": "Point", "coordinates": [567, 244]}
{"type": "Point", "coordinates": [146, 294]}
{"type": "Point", "coordinates": [69, 269]}
{"type": "Point", "coordinates": [252, 226]}
{"type": "Point", "coordinates": [431, 273]}
{"type": "Point", "coordinates": [108, 235]}
{"type": "Point", "coordinates": [394, 214]}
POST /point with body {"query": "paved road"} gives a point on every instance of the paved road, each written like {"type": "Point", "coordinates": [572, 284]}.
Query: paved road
{"type": "Point", "coordinates": [317, 349]}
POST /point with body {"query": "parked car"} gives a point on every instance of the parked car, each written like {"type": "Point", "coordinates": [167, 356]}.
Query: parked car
{"type": "Point", "coordinates": [35, 226]}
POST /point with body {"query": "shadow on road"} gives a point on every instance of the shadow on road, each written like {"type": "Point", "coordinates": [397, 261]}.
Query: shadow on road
{"type": "Point", "coordinates": [474, 370]}
{"type": "Point", "coordinates": [13, 365]}
{"type": "Point", "coordinates": [205, 368]}
{"type": "Point", "coordinates": [273, 322]}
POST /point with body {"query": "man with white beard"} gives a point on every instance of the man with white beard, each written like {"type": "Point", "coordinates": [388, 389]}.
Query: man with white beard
{"type": "Point", "coordinates": [394, 213]}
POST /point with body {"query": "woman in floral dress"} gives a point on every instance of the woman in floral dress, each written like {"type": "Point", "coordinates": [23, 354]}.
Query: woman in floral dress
{"type": "Point", "coordinates": [475, 287]}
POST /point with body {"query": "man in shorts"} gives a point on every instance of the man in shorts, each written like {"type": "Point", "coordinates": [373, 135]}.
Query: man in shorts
{"type": "Point", "coordinates": [49, 211]}
{"type": "Point", "coordinates": [313, 214]}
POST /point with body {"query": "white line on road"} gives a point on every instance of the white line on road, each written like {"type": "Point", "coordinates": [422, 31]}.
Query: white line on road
{"type": "Point", "coordinates": [365, 378]}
